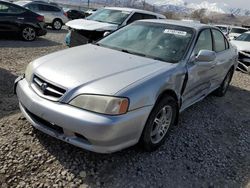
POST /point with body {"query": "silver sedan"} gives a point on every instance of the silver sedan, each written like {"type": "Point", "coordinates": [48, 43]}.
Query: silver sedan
{"type": "Point", "coordinates": [127, 88]}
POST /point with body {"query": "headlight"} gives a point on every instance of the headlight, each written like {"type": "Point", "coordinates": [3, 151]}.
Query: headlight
{"type": "Point", "coordinates": [102, 104]}
{"type": "Point", "coordinates": [29, 72]}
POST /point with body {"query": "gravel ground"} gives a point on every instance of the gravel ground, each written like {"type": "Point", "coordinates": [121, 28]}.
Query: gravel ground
{"type": "Point", "coordinates": [209, 148]}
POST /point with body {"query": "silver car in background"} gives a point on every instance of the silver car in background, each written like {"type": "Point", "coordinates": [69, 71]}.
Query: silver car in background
{"type": "Point", "coordinates": [53, 14]}
{"type": "Point", "coordinates": [127, 88]}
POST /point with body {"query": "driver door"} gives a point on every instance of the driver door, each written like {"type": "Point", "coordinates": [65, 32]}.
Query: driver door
{"type": "Point", "coordinates": [200, 75]}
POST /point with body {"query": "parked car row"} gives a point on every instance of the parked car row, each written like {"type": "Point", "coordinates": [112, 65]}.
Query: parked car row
{"type": "Point", "coordinates": [53, 14]}
{"type": "Point", "coordinates": [15, 19]}
{"type": "Point", "coordinates": [232, 32]}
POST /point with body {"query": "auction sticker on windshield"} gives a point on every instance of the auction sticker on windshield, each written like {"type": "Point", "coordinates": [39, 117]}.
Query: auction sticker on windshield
{"type": "Point", "coordinates": [175, 32]}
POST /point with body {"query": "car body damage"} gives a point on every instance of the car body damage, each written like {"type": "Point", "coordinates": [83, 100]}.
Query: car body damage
{"type": "Point", "coordinates": [84, 31]}
{"type": "Point", "coordinates": [244, 61]}
{"type": "Point", "coordinates": [243, 45]}
{"type": "Point", "coordinates": [109, 19]}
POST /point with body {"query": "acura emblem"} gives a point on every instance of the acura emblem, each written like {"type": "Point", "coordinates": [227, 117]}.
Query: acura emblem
{"type": "Point", "coordinates": [44, 87]}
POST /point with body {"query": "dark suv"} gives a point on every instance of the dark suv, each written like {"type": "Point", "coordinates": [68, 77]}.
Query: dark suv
{"type": "Point", "coordinates": [53, 14]}
{"type": "Point", "coordinates": [18, 20]}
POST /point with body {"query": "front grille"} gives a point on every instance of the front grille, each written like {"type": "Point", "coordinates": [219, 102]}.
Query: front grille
{"type": "Point", "coordinates": [48, 90]}
{"type": "Point", "coordinates": [53, 127]}
{"type": "Point", "coordinates": [246, 52]}
{"type": "Point", "coordinates": [43, 122]}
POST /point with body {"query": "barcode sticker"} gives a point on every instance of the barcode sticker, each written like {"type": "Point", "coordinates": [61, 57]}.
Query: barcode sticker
{"type": "Point", "coordinates": [175, 32]}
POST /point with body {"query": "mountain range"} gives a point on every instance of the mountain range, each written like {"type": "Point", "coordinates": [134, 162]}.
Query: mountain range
{"type": "Point", "coordinates": [179, 6]}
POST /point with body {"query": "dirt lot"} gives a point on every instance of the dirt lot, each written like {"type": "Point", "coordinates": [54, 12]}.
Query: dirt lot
{"type": "Point", "coordinates": [209, 148]}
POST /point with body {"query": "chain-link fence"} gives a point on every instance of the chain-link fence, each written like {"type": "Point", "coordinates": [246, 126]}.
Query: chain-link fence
{"type": "Point", "coordinates": [79, 4]}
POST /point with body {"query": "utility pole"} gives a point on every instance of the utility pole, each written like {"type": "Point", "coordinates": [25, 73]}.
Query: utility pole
{"type": "Point", "coordinates": [88, 4]}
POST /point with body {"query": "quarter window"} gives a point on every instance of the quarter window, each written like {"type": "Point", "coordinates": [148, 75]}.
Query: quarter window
{"type": "Point", "coordinates": [204, 42]}
{"type": "Point", "coordinates": [219, 41]}
{"type": "Point", "coordinates": [48, 8]}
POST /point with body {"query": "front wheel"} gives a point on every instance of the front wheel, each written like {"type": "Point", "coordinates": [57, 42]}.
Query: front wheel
{"type": "Point", "coordinates": [28, 33]}
{"type": "Point", "coordinates": [160, 121]}
{"type": "Point", "coordinates": [221, 91]}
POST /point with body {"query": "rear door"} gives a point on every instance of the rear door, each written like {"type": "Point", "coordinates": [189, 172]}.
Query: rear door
{"type": "Point", "coordinates": [224, 57]}
{"type": "Point", "coordinates": [11, 17]}
{"type": "Point", "coordinates": [199, 76]}
{"type": "Point", "coordinates": [49, 12]}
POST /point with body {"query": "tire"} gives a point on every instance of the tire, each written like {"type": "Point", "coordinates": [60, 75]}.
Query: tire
{"type": "Point", "coordinates": [221, 91]}
{"type": "Point", "coordinates": [151, 138]}
{"type": "Point", "coordinates": [28, 33]}
{"type": "Point", "coordinates": [57, 24]}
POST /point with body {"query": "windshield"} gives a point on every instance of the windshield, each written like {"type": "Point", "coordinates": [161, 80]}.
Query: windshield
{"type": "Point", "coordinates": [157, 41]}
{"type": "Point", "coordinates": [238, 30]}
{"type": "Point", "coordinates": [109, 16]}
{"type": "Point", "coordinates": [244, 37]}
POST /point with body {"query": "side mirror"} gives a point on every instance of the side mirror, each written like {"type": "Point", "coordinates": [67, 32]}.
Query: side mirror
{"type": "Point", "coordinates": [205, 56]}
{"type": "Point", "coordinates": [106, 33]}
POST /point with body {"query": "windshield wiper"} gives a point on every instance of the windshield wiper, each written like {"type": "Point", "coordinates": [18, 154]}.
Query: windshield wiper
{"type": "Point", "coordinates": [133, 53]}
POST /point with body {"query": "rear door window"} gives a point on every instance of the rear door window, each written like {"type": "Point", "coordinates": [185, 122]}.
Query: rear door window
{"type": "Point", "coordinates": [53, 9]}
{"type": "Point", "coordinates": [48, 8]}
{"type": "Point", "coordinates": [219, 41]}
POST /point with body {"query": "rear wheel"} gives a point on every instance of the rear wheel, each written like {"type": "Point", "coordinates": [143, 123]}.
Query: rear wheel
{"type": "Point", "coordinates": [57, 24]}
{"type": "Point", "coordinates": [221, 91]}
{"type": "Point", "coordinates": [160, 121]}
{"type": "Point", "coordinates": [28, 33]}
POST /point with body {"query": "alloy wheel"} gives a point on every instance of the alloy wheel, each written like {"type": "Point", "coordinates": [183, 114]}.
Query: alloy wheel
{"type": "Point", "coordinates": [57, 25]}
{"type": "Point", "coordinates": [29, 33]}
{"type": "Point", "coordinates": [161, 124]}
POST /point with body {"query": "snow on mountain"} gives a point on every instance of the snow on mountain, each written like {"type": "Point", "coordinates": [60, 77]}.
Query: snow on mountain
{"type": "Point", "coordinates": [166, 2]}
{"type": "Point", "coordinates": [180, 6]}
{"type": "Point", "coordinates": [212, 7]}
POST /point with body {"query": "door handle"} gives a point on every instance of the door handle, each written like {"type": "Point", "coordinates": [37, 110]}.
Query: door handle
{"type": "Point", "coordinates": [20, 18]}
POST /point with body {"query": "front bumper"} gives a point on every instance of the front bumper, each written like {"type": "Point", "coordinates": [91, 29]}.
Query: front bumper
{"type": "Point", "coordinates": [244, 61]}
{"type": "Point", "coordinates": [41, 29]}
{"type": "Point", "coordinates": [88, 130]}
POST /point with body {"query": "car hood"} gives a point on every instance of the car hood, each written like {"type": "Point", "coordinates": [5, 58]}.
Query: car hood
{"type": "Point", "coordinates": [233, 35]}
{"type": "Point", "coordinates": [90, 25]}
{"type": "Point", "coordinates": [241, 45]}
{"type": "Point", "coordinates": [95, 69]}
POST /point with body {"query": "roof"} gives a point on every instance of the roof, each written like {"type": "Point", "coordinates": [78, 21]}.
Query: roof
{"type": "Point", "coordinates": [36, 1]}
{"type": "Point", "coordinates": [194, 25]}
{"type": "Point", "coordinates": [221, 25]}
{"type": "Point", "coordinates": [135, 10]}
